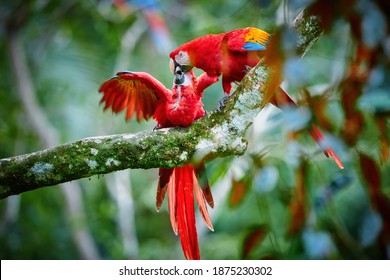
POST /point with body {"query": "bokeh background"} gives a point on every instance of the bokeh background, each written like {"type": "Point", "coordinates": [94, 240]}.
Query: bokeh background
{"type": "Point", "coordinates": [282, 200]}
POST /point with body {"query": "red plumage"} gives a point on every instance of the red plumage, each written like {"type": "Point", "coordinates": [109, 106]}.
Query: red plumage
{"type": "Point", "coordinates": [141, 94]}
{"type": "Point", "coordinates": [231, 54]}
{"type": "Point", "coordinates": [223, 54]}
{"type": "Point", "coordinates": [186, 224]}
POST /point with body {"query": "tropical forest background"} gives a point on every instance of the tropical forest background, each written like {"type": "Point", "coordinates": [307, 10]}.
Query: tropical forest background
{"type": "Point", "coordinates": [282, 200]}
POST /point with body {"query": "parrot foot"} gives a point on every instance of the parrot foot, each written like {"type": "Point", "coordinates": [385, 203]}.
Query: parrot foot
{"type": "Point", "coordinates": [221, 103]}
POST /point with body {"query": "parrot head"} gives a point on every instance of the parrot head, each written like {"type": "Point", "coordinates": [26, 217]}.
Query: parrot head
{"type": "Point", "coordinates": [180, 59]}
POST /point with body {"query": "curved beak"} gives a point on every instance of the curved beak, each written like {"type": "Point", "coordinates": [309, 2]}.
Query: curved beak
{"type": "Point", "coordinates": [185, 68]}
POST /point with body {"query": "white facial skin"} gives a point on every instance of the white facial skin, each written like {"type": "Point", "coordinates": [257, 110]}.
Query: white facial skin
{"type": "Point", "coordinates": [181, 58]}
{"type": "Point", "coordinates": [187, 79]}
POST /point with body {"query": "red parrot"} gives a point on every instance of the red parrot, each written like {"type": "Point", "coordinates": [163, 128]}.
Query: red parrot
{"type": "Point", "coordinates": [231, 54]}
{"type": "Point", "coordinates": [141, 94]}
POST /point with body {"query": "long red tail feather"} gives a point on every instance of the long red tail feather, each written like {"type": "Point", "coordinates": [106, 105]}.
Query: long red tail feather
{"type": "Point", "coordinates": [184, 180]}
{"type": "Point", "coordinates": [201, 200]}
{"type": "Point", "coordinates": [164, 178]}
{"type": "Point", "coordinates": [172, 188]}
{"type": "Point", "coordinates": [204, 184]}
{"type": "Point", "coordinates": [182, 184]}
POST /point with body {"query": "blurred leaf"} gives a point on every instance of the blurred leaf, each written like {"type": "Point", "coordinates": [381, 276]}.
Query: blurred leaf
{"type": "Point", "coordinates": [317, 244]}
{"type": "Point", "coordinates": [325, 10]}
{"type": "Point", "coordinates": [376, 101]}
{"type": "Point", "coordinates": [384, 140]}
{"type": "Point", "coordinates": [274, 58]}
{"type": "Point", "coordinates": [217, 169]}
{"type": "Point", "coordinates": [265, 181]}
{"type": "Point", "coordinates": [295, 118]}
{"type": "Point", "coordinates": [373, 23]}
{"type": "Point", "coordinates": [353, 126]}
{"type": "Point", "coordinates": [371, 174]}
{"type": "Point", "coordinates": [297, 205]}
{"type": "Point", "coordinates": [377, 77]}
{"type": "Point", "coordinates": [370, 228]}
{"type": "Point", "coordinates": [326, 194]}
{"type": "Point", "coordinates": [293, 153]}
{"type": "Point", "coordinates": [296, 72]}
{"type": "Point", "coordinates": [317, 105]}
{"type": "Point", "coordinates": [253, 239]}
{"type": "Point", "coordinates": [239, 190]}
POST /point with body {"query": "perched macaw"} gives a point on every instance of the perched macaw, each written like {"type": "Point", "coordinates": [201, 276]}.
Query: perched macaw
{"type": "Point", "coordinates": [231, 54]}
{"type": "Point", "coordinates": [141, 94]}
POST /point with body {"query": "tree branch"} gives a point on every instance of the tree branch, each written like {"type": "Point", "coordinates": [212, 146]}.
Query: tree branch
{"type": "Point", "coordinates": [217, 135]}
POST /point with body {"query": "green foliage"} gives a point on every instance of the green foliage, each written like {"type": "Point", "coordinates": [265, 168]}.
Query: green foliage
{"type": "Point", "coordinates": [305, 206]}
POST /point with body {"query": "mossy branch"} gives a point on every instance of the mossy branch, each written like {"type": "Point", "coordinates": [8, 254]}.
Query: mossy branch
{"type": "Point", "coordinates": [217, 135]}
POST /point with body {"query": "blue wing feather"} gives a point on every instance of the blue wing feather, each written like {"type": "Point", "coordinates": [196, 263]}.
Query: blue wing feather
{"type": "Point", "coordinates": [251, 46]}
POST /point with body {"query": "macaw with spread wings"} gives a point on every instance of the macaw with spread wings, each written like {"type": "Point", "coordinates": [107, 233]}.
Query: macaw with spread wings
{"type": "Point", "coordinates": [142, 95]}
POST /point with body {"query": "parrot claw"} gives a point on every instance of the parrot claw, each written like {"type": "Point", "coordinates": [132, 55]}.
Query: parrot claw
{"type": "Point", "coordinates": [157, 127]}
{"type": "Point", "coordinates": [248, 68]}
{"type": "Point", "coordinates": [221, 103]}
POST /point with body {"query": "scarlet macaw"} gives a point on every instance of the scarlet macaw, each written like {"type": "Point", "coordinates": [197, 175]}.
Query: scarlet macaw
{"type": "Point", "coordinates": [231, 54]}
{"type": "Point", "coordinates": [143, 95]}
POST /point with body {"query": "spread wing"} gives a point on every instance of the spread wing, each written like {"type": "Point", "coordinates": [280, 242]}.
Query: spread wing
{"type": "Point", "coordinates": [247, 39]}
{"type": "Point", "coordinates": [137, 92]}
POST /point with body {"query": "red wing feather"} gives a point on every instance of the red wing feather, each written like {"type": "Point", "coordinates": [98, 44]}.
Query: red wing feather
{"type": "Point", "coordinates": [137, 92]}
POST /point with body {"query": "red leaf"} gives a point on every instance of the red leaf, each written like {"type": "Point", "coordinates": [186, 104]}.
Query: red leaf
{"type": "Point", "coordinates": [317, 105]}
{"type": "Point", "coordinates": [384, 140]}
{"type": "Point", "coordinates": [238, 191]}
{"type": "Point", "coordinates": [371, 174]}
{"type": "Point", "coordinates": [297, 206]}
{"type": "Point", "coordinates": [353, 126]}
{"type": "Point", "coordinates": [274, 59]}
{"type": "Point", "coordinates": [253, 239]}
